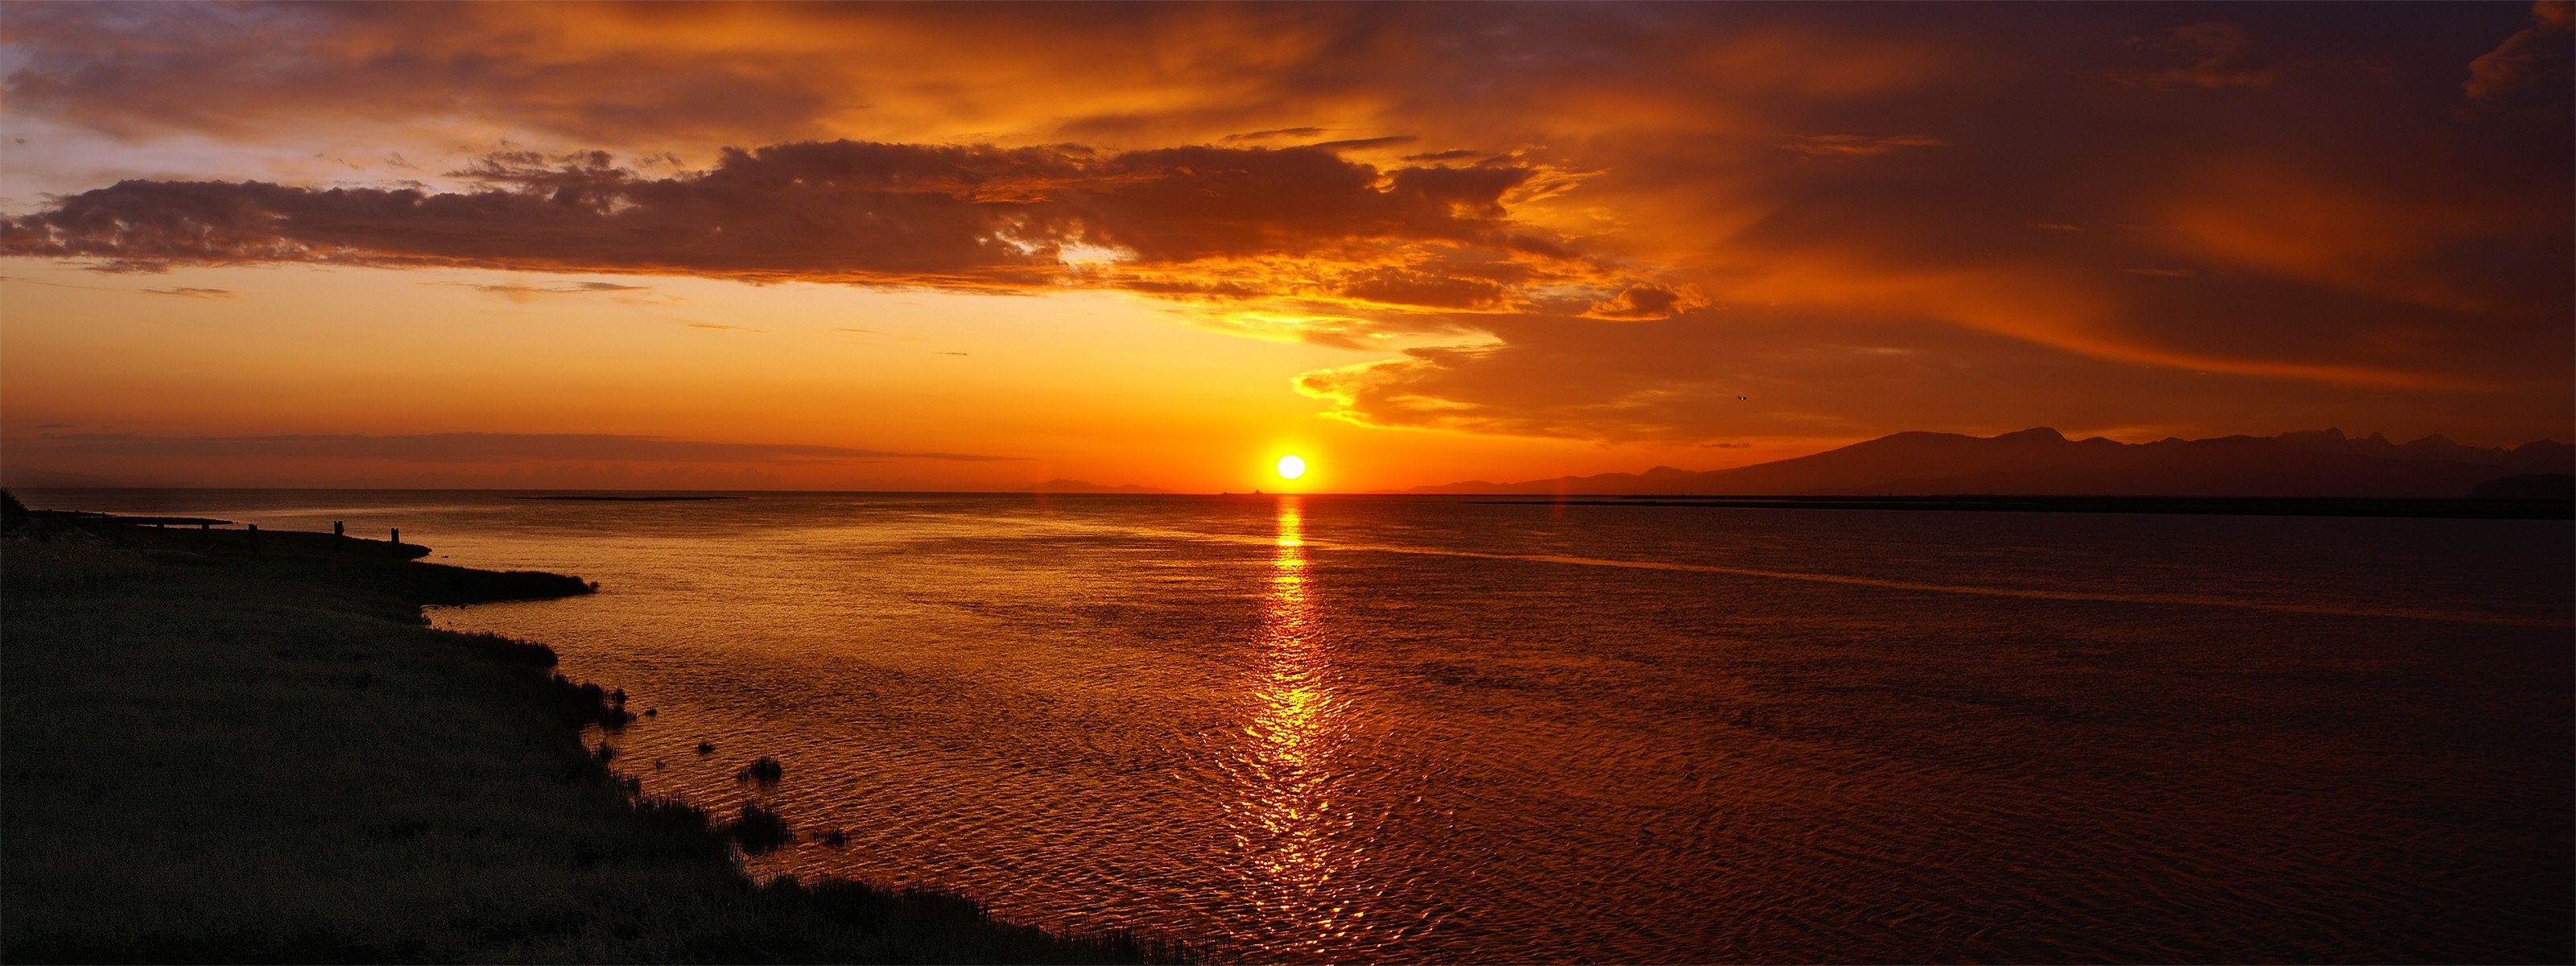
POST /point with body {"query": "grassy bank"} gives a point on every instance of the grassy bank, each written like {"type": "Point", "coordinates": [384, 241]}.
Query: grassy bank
{"type": "Point", "coordinates": [231, 753]}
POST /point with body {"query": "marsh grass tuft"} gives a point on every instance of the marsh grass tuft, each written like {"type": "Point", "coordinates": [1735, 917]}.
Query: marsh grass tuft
{"type": "Point", "coordinates": [759, 830]}
{"type": "Point", "coordinates": [763, 769]}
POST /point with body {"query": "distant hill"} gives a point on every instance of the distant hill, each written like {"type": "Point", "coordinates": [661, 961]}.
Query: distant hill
{"type": "Point", "coordinates": [2043, 462]}
{"type": "Point", "coordinates": [1080, 486]}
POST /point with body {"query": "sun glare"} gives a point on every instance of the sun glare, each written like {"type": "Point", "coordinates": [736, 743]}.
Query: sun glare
{"type": "Point", "coordinates": [1292, 467]}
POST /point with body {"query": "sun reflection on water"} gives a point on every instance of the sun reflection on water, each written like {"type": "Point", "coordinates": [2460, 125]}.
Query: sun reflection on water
{"type": "Point", "coordinates": [1294, 842]}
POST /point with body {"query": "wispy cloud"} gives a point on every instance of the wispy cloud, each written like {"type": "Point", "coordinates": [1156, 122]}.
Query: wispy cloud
{"type": "Point", "coordinates": [1858, 145]}
{"type": "Point", "coordinates": [527, 292]}
{"type": "Point", "coordinates": [473, 448]}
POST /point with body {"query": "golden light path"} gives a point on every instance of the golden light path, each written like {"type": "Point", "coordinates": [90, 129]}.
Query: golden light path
{"type": "Point", "coordinates": [1291, 836]}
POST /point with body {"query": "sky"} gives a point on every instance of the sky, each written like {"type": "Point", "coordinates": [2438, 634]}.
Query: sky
{"type": "Point", "coordinates": [979, 246]}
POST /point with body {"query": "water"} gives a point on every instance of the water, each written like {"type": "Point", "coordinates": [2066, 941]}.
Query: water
{"type": "Point", "coordinates": [1420, 730]}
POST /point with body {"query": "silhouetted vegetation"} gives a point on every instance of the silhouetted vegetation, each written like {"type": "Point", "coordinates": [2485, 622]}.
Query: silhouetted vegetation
{"type": "Point", "coordinates": [762, 769]}
{"type": "Point", "coordinates": [210, 752]}
{"type": "Point", "coordinates": [759, 831]}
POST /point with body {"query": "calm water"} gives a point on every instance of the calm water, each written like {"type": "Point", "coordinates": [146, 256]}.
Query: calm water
{"type": "Point", "coordinates": [1409, 729]}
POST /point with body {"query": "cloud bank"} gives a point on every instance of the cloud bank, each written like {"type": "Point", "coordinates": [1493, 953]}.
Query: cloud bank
{"type": "Point", "coordinates": [468, 448]}
{"type": "Point", "coordinates": [1595, 221]}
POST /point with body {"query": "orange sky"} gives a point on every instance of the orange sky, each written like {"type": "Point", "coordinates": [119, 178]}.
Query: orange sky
{"type": "Point", "coordinates": [979, 246]}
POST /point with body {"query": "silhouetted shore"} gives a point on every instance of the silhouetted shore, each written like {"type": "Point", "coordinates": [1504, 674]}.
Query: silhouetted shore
{"type": "Point", "coordinates": [221, 747]}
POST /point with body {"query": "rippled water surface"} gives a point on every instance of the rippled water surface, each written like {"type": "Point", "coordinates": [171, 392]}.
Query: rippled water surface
{"type": "Point", "coordinates": [1428, 729]}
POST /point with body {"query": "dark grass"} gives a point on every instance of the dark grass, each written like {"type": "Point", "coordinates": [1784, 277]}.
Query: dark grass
{"type": "Point", "coordinates": [224, 757]}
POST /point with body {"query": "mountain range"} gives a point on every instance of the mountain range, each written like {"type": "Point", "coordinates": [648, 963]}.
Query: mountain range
{"type": "Point", "coordinates": [2043, 462]}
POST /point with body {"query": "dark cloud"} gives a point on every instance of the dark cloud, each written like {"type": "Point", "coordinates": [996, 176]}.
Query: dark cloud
{"type": "Point", "coordinates": [115, 71]}
{"type": "Point", "coordinates": [469, 448]}
{"type": "Point", "coordinates": [1827, 145]}
{"type": "Point", "coordinates": [1356, 143]}
{"type": "Point", "coordinates": [2532, 58]}
{"type": "Point", "coordinates": [1273, 134]}
{"type": "Point", "coordinates": [1646, 302]}
{"type": "Point", "coordinates": [2216, 54]}
{"type": "Point", "coordinates": [192, 292]}
{"type": "Point", "coordinates": [971, 217]}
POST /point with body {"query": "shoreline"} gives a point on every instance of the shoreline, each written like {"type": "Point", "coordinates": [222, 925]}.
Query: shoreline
{"type": "Point", "coordinates": [217, 750]}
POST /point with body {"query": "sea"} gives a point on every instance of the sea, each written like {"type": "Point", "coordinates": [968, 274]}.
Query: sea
{"type": "Point", "coordinates": [1408, 729]}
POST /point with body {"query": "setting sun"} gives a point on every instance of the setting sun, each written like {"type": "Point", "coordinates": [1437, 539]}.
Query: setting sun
{"type": "Point", "coordinates": [1784, 468]}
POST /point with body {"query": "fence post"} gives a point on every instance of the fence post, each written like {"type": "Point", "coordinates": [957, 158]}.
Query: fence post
{"type": "Point", "coordinates": [397, 537]}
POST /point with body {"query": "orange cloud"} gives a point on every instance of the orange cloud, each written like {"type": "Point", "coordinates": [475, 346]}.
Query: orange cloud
{"type": "Point", "coordinates": [975, 217]}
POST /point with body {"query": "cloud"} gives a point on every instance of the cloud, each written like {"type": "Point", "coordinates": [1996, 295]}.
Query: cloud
{"type": "Point", "coordinates": [1831, 145]}
{"type": "Point", "coordinates": [520, 292]}
{"type": "Point", "coordinates": [1206, 222]}
{"type": "Point", "coordinates": [178, 291]}
{"type": "Point", "coordinates": [471, 448]}
{"type": "Point", "coordinates": [1637, 212]}
{"type": "Point", "coordinates": [1360, 143]}
{"type": "Point", "coordinates": [2533, 57]}
{"type": "Point", "coordinates": [1272, 134]}
{"type": "Point", "coordinates": [2219, 54]}
{"type": "Point", "coordinates": [1646, 302]}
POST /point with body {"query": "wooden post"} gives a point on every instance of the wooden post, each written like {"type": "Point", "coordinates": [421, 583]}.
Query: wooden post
{"type": "Point", "coordinates": [339, 528]}
{"type": "Point", "coordinates": [397, 537]}
{"type": "Point", "coordinates": [254, 536]}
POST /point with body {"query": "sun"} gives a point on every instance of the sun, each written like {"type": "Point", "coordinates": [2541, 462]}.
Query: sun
{"type": "Point", "coordinates": [1292, 467]}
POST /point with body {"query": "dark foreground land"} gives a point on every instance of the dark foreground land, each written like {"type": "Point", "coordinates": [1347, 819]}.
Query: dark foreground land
{"type": "Point", "coordinates": [211, 751]}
